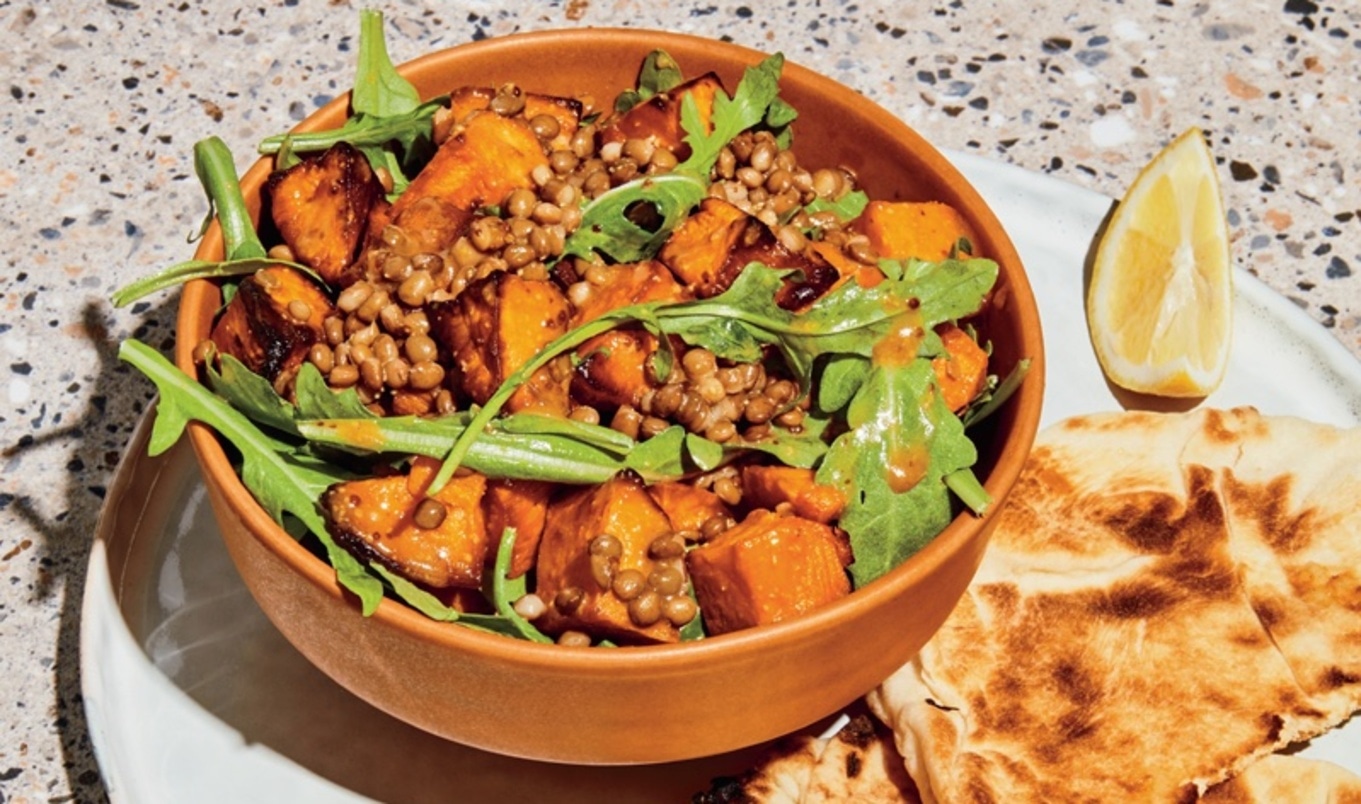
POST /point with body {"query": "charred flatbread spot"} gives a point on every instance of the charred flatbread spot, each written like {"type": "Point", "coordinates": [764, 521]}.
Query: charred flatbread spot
{"type": "Point", "coordinates": [854, 764]}
{"type": "Point", "coordinates": [1134, 600]}
{"type": "Point", "coordinates": [1269, 505]}
{"type": "Point", "coordinates": [1273, 724]}
{"type": "Point", "coordinates": [1336, 678]}
{"type": "Point", "coordinates": [1155, 522]}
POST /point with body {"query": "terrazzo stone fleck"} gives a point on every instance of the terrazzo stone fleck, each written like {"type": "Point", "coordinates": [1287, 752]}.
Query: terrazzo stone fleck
{"type": "Point", "coordinates": [97, 187]}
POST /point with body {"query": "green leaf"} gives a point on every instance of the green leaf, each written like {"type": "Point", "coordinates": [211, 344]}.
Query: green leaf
{"type": "Point", "coordinates": [378, 88]}
{"type": "Point", "coordinates": [416, 597]}
{"type": "Point", "coordinates": [605, 226]}
{"type": "Point", "coordinates": [506, 590]}
{"type": "Point", "coordinates": [388, 122]}
{"type": "Point", "coordinates": [846, 208]}
{"type": "Point", "coordinates": [659, 73]}
{"type": "Point", "coordinates": [891, 466]}
{"type": "Point", "coordinates": [317, 400]}
{"type": "Point", "coordinates": [840, 379]}
{"type": "Point", "coordinates": [758, 89]}
{"type": "Point", "coordinates": [553, 455]}
{"type": "Point", "coordinates": [280, 481]}
{"type": "Point", "coordinates": [706, 455]}
{"type": "Point", "coordinates": [251, 394]}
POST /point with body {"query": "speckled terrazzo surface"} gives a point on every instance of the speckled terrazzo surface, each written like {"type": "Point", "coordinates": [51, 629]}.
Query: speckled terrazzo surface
{"type": "Point", "coordinates": [96, 187]}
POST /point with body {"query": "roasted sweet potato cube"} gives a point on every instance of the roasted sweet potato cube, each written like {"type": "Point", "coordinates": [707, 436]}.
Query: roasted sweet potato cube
{"type": "Point", "coordinates": [768, 568]}
{"type": "Point", "coordinates": [927, 230]}
{"type": "Point", "coordinates": [271, 322]}
{"type": "Point", "coordinates": [375, 518]}
{"type": "Point", "coordinates": [611, 368]}
{"type": "Point", "coordinates": [687, 506]}
{"type": "Point", "coordinates": [522, 505]}
{"type": "Point", "coordinates": [628, 284]}
{"type": "Point", "coordinates": [321, 207]}
{"type": "Point", "coordinates": [710, 248]}
{"type": "Point", "coordinates": [566, 112]}
{"type": "Point", "coordinates": [697, 251]}
{"type": "Point", "coordinates": [495, 326]}
{"type": "Point", "coordinates": [659, 118]}
{"type": "Point", "coordinates": [622, 508]}
{"type": "Point", "coordinates": [770, 486]}
{"type": "Point", "coordinates": [962, 370]}
{"type": "Point", "coordinates": [481, 162]}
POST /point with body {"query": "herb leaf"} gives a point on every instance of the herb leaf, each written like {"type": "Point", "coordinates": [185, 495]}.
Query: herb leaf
{"type": "Point", "coordinates": [659, 74]}
{"type": "Point", "coordinates": [281, 482]}
{"type": "Point", "coordinates": [605, 225]}
{"type": "Point", "coordinates": [386, 110]}
{"type": "Point", "coordinates": [890, 466]}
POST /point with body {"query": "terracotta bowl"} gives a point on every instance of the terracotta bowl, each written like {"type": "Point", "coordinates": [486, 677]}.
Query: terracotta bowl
{"type": "Point", "coordinates": [648, 704]}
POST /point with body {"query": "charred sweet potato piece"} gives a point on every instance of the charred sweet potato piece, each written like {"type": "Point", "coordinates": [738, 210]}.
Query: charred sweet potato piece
{"type": "Point", "coordinates": [927, 230]}
{"type": "Point", "coordinates": [768, 568]}
{"type": "Point", "coordinates": [688, 507]}
{"type": "Point", "coordinates": [628, 284]}
{"type": "Point", "coordinates": [566, 112]}
{"type": "Point", "coordinates": [271, 322]}
{"type": "Point", "coordinates": [321, 206]}
{"type": "Point", "coordinates": [519, 504]}
{"type": "Point", "coordinates": [611, 368]}
{"type": "Point", "coordinates": [962, 370]}
{"type": "Point", "coordinates": [622, 508]}
{"type": "Point", "coordinates": [769, 486]}
{"type": "Point", "coordinates": [376, 518]}
{"type": "Point", "coordinates": [710, 248]}
{"type": "Point", "coordinates": [697, 251]}
{"type": "Point", "coordinates": [478, 165]}
{"type": "Point", "coordinates": [659, 118]}
{"type": "Point", "coordinates": [494, 327]}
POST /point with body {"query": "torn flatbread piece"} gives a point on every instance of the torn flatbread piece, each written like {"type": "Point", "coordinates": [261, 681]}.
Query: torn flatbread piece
{"type": "Point", "coordinates": [1166, 598]}
{"type": "Point", "coordinates": [857, 763]}
{"type": "Point", "coordinates": [1282, 779]}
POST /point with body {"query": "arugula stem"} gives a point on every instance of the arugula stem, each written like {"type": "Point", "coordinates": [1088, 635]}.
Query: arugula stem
{"type": "Point", "coordinates": [216, 169]}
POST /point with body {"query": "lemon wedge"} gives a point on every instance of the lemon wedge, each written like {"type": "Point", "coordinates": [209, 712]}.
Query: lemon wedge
{"type": "Point", "coordinates": [1159, 305]}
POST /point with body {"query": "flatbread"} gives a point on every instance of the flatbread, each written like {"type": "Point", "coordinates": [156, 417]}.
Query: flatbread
{"type": "Point", "coordinates": [1280, 779]}
{"type": "Point", "coordinates": [1166, 598]}
{"type": "Point", "coordinates": [857, 763]}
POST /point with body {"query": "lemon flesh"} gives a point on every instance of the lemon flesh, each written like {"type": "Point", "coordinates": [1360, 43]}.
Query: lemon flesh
{"type": "Point", "coordinates": [1159, 306]}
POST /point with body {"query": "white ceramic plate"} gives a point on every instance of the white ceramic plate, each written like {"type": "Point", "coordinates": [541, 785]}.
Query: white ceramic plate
{"type": "Point", "coordinates": [193, 696]}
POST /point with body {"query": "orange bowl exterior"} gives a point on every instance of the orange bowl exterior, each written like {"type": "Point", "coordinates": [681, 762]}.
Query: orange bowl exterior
{"type": "Point", "coordinates": [657, 703]}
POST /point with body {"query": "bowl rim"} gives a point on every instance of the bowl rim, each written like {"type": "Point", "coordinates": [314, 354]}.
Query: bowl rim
{"type": "Point", "coordinates": [198, 299]}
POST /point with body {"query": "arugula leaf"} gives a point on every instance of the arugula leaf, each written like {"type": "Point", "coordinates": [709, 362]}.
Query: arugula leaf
{"type": "Point", "coordinates": [605, 226]}
{"type": "Point", "coordinates": [891, 466]}
{"type": "Point", "coordinates": [280, 481]}
{"type": "Point", "coordinates": [317, 400]}
{"type": "Point", "coordinates": [496, 453]}
{"type": "Point", "coordinates": [748, 107]}
{"type": "Point", "coordinates": [379, 89]}
{"type": "Point", "coordinates": [386, 110]}
{"type": "Point", "coordinates": [506, 590]}
{"type": "Point", "coordinates": [659, 73]}
{"type": "Point", "coordinates": [251, 394]}
{"type": "Point", "coordinates": [846, 208]}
